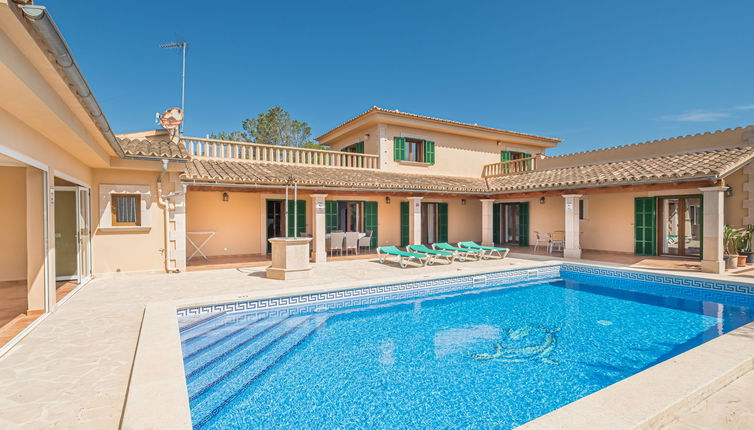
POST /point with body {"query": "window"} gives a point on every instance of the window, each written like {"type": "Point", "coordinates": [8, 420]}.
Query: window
{"type": "Point", "coordinates": [414, 150]}
{"type": "Point", "coordinates": [126, 209]}
{"type": "Point", "coordinates": [514, 155]}
{"type": "Point", "coordinates": [357, 148]}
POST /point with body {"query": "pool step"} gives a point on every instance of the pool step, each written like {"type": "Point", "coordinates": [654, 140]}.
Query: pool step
{"type": "Point", "coordinates": [190, 328]}
{"type": "Point", "coordinates": [225, 343]}
{"type": "Point", "coordinates": [225, 382]}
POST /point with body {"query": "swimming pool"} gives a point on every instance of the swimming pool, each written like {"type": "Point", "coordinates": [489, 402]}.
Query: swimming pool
{"type": "Point", "coordinates": [485, 351]}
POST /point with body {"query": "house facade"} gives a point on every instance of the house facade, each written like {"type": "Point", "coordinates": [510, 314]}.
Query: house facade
{"type": "Point", "coordinates": [81, 201]}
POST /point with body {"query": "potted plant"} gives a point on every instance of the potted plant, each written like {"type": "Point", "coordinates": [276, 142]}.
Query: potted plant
{"type": "Point", "coordinates": [741, 245]}
{"type": "Point", "coordinates": [730, 235]}
{"type": "Point", "coordinates": [746, 237]}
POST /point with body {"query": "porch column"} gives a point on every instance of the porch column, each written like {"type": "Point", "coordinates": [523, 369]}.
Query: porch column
{"type": "Point", "coordinates": [572, 243]}
{"type": "Point", "coordinates": [319, 228]}
{"type": "Point", "coordinates": [414, 220]}
{"type": "Point", "coordinates": [487, 239]}
{"type": "Point", "coordinates": [712, 245]}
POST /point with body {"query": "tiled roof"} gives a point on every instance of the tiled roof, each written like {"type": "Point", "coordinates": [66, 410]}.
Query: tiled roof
{"type": "Point", "coordinates": [243, 172]}
{"type": "Point", "coordinates": [161, 148]}
{"type": "Point", "coordinates": [711, 163]}
{"type": "Point", "coordinates": [438, 120]}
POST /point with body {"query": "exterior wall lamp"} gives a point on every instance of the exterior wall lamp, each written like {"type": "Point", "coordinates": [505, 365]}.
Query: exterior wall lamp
{"type": "Point", "coordinates": [729, 192]}
{"type": "Point", "coordinates": [463, 202]}
{"type": "Point", "coordinates": [387, 200]}
{"type": "Point", "coordinates": [542, 200]}
{"type": "Point", "coordinates": [225, 197]}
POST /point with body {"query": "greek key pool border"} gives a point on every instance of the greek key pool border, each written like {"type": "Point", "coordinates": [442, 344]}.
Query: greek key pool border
{"type": "Point", "coordinates": [378, 293]}
{"type": "Point", "coordinates": [716, 285]}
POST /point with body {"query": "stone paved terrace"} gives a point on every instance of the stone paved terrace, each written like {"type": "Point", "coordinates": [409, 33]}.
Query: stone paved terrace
{"type": "Point", "coordinates": [73, 370]}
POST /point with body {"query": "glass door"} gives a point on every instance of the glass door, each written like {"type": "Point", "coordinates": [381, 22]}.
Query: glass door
{"type": "Point", "coordinates": [680, 226]}
{"type": "Point", "coordinates": [84, 235]}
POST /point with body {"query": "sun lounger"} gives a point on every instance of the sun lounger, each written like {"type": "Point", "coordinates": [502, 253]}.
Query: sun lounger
{"type": "Point", "coordinates": [384, 251]}
{"type": "Point", "coordinates": [433, 253]}
{"type": "Point", "coordinates": [462, 253]}
{"type": "Point", "coordinates": [501, 252]}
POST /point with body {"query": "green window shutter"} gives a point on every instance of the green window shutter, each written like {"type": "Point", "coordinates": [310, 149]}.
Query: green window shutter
{"type": "Point", "coordinates": [429, 152]}
{"type": "Point", "coordinates": [399, 148]}
{"type": "Point", "coordinates": [300, 213]}
{"type": "Point", "coordinates": [442, 222]}
{"type": "Point", "coordinates": [370, 220]}
{"type": "Point", "coordinates": [645, 226]}
{"type": "Point", "coordinates": [344, 149]}
{"type": "Point", "coordinates": [523, 223]}
{"type": "Point", "coordinates": [404, 223]}
{"type": "Point", "coordinates": [505, 156]}
{"type": "Point", "coordinates": [359, 147]}
{"type": "Point", "coordinates": [496, 223]}
{"type": "Point", "coordinates": [331, 215]}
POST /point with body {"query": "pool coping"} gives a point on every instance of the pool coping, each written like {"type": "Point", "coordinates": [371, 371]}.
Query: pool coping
{"type": "Point", "coordinates": [157, 396]}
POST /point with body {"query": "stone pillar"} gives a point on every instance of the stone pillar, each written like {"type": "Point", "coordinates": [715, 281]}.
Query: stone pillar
{"type": "Point", "coordinates": [487, 239]}
{"type": "Point", "coordinates": [572, 242]}
{"type": "Point", "coordinates": [319, 228]}
{"type": "Point", "coordinates": [712, 247]}
{"type": "Point", "coordinates": [414, 220]}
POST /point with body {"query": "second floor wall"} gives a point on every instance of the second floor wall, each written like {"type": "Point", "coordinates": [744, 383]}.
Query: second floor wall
{"type": "Point", "coordinates": [423, 151]}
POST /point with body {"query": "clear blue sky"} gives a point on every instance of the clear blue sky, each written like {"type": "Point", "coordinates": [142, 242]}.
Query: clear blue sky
{"type": "Point", "coordinates": [595, 73]}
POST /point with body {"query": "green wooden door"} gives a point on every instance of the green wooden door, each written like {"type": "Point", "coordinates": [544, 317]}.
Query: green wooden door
{"type": "Point", "coordinates": [370, 220]}
{"type": "Point", "coordinates": [404, 223]}
{"type": "Point", "coordinates": [331, 215]}
{"type": "Point", "coordinates": [645, 226]}
{"type": "Point", "coordinates": [496, 222]}
{"type": "Point", "coordinates": [523, 223]}
{"type": "Point", "coordinates": [300, 214]}
{"type": "Point", "coordinates": [442, 222]}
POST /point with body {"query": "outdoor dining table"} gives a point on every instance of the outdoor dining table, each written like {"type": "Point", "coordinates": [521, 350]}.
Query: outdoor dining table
{"type": "Point", "coordinates": [327, 235]}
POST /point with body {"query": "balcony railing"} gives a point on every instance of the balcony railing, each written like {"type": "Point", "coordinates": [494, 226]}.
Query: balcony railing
{"type": "Point", "coordinates": [245, 151]}
{"type": "Point", "coordinates": [508, 167]}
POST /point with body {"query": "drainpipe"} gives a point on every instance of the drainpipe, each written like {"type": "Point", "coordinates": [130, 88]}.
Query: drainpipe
{"type": "Point", "coordinates": [164, 203]}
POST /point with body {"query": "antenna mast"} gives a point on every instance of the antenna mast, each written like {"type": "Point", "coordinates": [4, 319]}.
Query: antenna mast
{"type": "Point", "coordinates": [181, 45]}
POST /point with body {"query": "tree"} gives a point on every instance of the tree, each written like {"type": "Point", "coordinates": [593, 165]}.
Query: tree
{"type": "Point", "coordinates": [274, 127]}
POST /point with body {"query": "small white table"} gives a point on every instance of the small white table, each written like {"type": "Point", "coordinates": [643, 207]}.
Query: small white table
{"type": "Point", "coordinates": [198, 248]}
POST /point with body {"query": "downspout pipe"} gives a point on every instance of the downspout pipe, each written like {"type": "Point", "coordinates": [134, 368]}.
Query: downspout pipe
{"type": "Point", "coordinates": [41, 21]}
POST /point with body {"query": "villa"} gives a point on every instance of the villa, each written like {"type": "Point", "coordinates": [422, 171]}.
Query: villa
{"type": "Point", "coordinates": [81, 202]}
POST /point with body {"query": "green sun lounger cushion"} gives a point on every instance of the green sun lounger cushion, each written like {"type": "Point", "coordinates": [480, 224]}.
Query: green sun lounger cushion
{"type": "Point", "coordinates": [392, 250]}
{"type": "Point", "coordinates": [473, 245]}
{"type": "Point", "coordinates": [448, 247]}
{"type": "Point", "coordinates": [424, 250]}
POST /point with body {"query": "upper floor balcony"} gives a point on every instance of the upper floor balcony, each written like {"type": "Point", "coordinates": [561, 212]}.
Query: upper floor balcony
{"type": "Point", "coordinates": [509, 167]}
{"type": "Point", "coordinates": [254, 152]}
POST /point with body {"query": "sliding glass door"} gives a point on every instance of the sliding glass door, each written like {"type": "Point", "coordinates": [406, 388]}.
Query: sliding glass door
{"type": "Point", "coordinates": [73, 259]}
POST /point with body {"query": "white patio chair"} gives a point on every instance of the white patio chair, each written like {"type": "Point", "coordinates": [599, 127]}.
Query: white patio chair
{"type": "Point", "coordinates": [557, 239]}
{"type": "Point", "coordinates": [542, 238]}
{"type": "Point", "coordinates": [352, 242]}
{"type": "Point", "coordinates": [366, 241]}
{"type": "Point", "coordinates": [336, 242]}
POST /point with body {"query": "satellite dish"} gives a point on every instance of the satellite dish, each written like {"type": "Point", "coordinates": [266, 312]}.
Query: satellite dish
{"type": "Point", "coordinates": [171, 118]}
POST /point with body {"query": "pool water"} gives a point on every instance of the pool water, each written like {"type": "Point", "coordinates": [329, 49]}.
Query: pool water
{"type": "Point", "coordinates": [490, 358]}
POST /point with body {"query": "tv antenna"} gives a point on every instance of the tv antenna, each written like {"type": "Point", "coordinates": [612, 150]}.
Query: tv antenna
{"type": "Point", "coordinates": [182, 46]}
